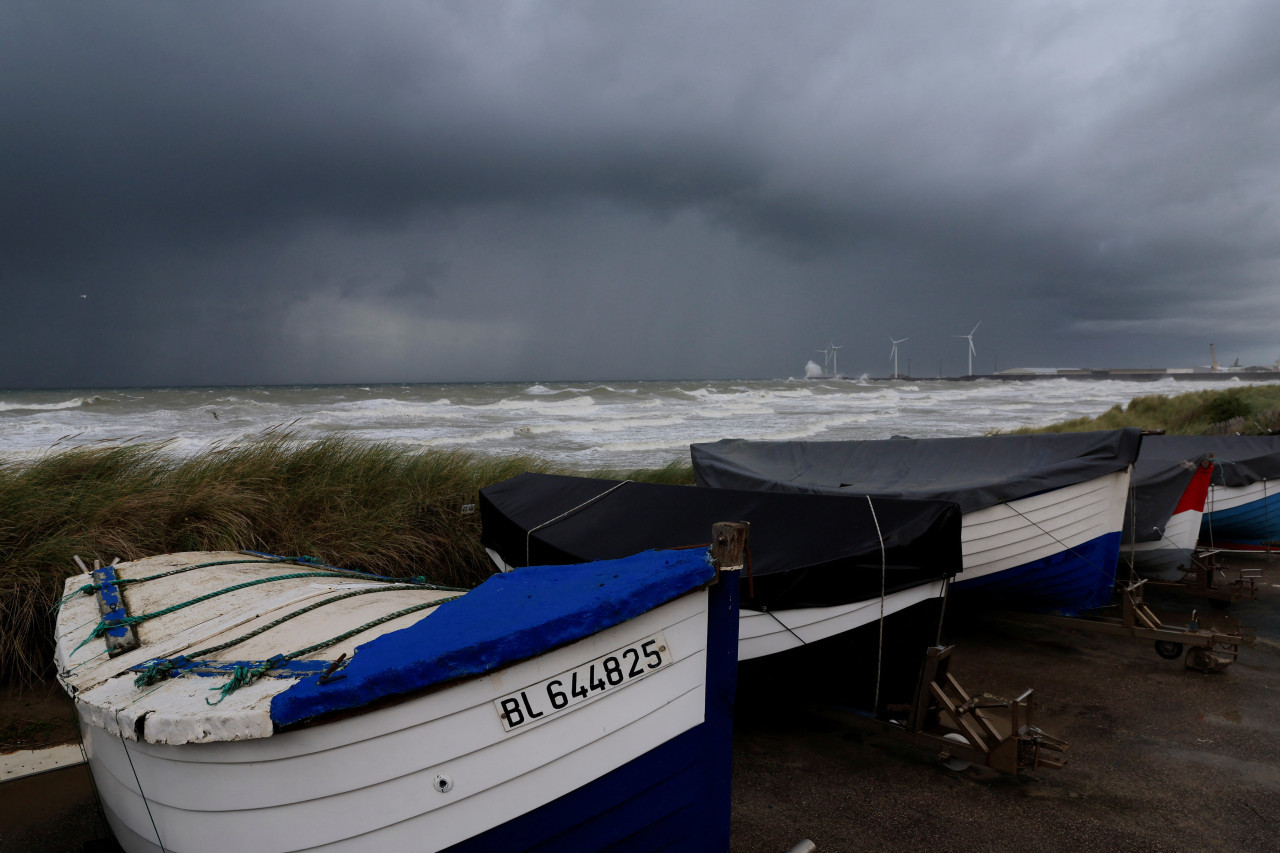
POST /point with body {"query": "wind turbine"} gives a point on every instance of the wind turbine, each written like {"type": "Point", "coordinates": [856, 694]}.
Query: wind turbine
{"type": "Point", "coordinates": [893, 354]}
{"type": "Point", "coordinates": [829, 359]}
{"type": "Point", "coordinates": [972, 351]}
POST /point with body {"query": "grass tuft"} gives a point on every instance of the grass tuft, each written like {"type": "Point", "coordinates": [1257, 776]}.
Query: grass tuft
{"type": "Point", "coordinates": [1249, 410]}
{"type": "Point", "coordinates": [377, 507]}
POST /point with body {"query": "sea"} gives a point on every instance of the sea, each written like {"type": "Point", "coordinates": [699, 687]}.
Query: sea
{"type": "Point", "coordinates": [582, 425]}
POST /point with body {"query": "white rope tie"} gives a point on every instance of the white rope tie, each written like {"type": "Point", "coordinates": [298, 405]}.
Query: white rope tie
{"type": "Point", "coordinates": [884, 570]}
{"type": "Point", "coordinates": [1133, 531]}
{"type": "Point", "coordinates": [125, 746]}
{"type": "Point", "coordinates": [528, 537]}
{"type": "Point", "coordinates": [1266, 510]}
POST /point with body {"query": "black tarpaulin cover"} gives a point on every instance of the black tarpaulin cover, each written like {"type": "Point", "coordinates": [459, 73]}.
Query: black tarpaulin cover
{"type": "Point", "coordinates": [806, 550]}
{"type": "Point", "coordinates": [1239, 460]}
{"type": "Point", "coordinates": [1159, 479]}
{"type": "Point", "coordinates": [975, 472]}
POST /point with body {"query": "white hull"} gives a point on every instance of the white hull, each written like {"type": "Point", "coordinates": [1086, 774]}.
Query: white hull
{"type": "Point", "coordinates": [761, 633]}
{"type": "Point", "coordinates": [1169, 558]}
{"type": "Point", "coordinates": [368, 782]}
{"type": "Point", "coordinates": [422, 770]}
{"type": "Point", "coordinates": [1233, 497]}
{"type": "Point", "coordinates": [1013, 534]}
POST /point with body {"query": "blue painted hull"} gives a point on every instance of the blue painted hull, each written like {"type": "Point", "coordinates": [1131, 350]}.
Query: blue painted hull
{"type": "Point", "coordinates": [673, 798]}
{"type": "Point", "coordinates": [1070, 581]}
{"type": "Point", "coordinates": [1248, 524]}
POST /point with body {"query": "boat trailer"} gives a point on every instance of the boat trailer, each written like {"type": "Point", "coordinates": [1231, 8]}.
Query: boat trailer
{"type": "Point", "coordinates": [963, 728]}
{"type": "Point", "coordinates": [1207, 578]}
{"type": "Point", "coordinates": [1207, 650]}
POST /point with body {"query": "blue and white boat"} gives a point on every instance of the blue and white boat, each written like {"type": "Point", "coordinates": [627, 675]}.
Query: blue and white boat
{"type": "Point", "coordinates": [243, 702]}
{"type": "Point", "coordinates": [822, 566]}
{"type": "Point", "coordinates": [1166, 504]}
{"type": "Point", "coordinates": [1041, 514]}
{"type": "Point", "coordinates": [1242, 510]}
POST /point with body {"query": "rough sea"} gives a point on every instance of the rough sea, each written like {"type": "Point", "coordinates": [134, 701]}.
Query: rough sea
{"type": "Point", "coordinates": [622, 424]}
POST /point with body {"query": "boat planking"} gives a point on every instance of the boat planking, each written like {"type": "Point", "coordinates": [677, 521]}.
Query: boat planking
{"type": "Point", "coordinates": [563, 708]}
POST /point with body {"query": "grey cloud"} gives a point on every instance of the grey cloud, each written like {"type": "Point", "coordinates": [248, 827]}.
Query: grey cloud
{"type": "Point", "coordinates": [601, 177]}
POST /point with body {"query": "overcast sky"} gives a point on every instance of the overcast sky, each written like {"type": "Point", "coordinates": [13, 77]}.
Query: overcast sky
{"type": "Point", "coordinates": [227, 193]}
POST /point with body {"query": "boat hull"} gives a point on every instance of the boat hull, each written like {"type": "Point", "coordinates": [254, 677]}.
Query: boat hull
{"type": "Point", "coordinates": [1055, 551]}
{"type": "Point", "coordinates": [1169, 558]}
{"type": "Point", "coordinates": [867, 669]}
{"type": "Point", "coordinates": [1241, 517]}
{"type": "Point", "coordinates": [768, 633]}
{"type": "Point", "coordinates": [645, 764]}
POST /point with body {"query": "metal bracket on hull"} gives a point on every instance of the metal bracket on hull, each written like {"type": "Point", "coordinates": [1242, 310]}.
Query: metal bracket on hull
{"type": "Point", "coordinates": [963, 729]}
{"type": "Point", "coordinates": [1210, 650]}
{"type": "Point", "coordinates": [120, 638]}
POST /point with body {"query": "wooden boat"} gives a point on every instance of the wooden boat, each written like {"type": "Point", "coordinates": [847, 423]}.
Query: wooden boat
{"type": "Point", "coordinates": [1242, 511]}
{"type": "Point", "coordinates": [246, 702]}
{"type": "Point", "coordinates": [818, 565]}
{"type": "Point", "coordinates": [1042, 514]}
{"type": "Point", "coordinates": [1162, 520]}
{"type": "Point", "coordinates": [842, 600]}
{"type": "Point", "coordinates": [869, 573]}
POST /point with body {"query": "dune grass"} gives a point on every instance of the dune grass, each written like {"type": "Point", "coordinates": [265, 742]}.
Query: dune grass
{"type": "Point", "coordinates": [380, 508]}
{"type": "Point", "coordinates": [1247, 410]}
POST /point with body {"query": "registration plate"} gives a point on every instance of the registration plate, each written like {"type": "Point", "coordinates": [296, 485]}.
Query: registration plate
{"type": "Point", "coordinates": [610, 672]}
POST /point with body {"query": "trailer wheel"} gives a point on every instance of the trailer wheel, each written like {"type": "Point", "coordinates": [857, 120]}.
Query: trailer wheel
{"type": "Point", "coordinates": [1168, 649]}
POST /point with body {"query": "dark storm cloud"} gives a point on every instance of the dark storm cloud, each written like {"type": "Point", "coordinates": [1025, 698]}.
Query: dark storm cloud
{"type": "Point", "coordinates": [343, 192]}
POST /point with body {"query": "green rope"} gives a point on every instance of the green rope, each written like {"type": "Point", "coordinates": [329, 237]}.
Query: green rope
{"type": "Point", "coordinates": [104, 625]}
{"type": "Point", "coordinates": [163, 667]}
{"type": "Point", "coordinates": [91, 588]}
{"type": "Point", "coordinates": [245, 675]}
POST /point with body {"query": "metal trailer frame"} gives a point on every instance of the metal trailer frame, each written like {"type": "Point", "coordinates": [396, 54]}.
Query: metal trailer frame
{"type": "Point", "coordinates": [1206, 650]}
{"type": "Point", "coordinates": [962, 728]}
{"type": "Point", "coordinates": [1207, 578]}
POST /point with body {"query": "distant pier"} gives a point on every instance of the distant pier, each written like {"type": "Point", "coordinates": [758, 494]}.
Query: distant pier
{"type": "Point", "coordinates": [1121, 374]}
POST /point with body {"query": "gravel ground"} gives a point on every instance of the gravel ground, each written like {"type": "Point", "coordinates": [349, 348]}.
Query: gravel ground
{"type": "Point", "coordinates": [1162, 758]}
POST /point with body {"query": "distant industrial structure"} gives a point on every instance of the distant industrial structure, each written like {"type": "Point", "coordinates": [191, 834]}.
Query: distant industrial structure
{"type": "Point", "coordinates": [1200, 373]}
{"type": "Point", "coordinates": [1131, 374]}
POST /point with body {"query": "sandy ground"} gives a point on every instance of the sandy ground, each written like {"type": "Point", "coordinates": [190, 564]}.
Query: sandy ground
{"type": "Point", "coordinates": [1162, 758]}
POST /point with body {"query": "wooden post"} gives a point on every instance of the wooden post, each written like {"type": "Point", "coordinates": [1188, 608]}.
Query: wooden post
{"type": "Point", "coordinates": [729, 544]}
{"type": "Point", "coordinates": [122, 638]}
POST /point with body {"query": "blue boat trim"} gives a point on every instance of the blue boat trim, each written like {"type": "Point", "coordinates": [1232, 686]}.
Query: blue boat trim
{"type": "Point", "coordinates": [509, 617]}
{"type": "Point", "coordinates": [105, 581]}
{"type": "Point", "coordinates": [673, 798]}
{"type": "Point", "coordinates": [1070, 582]}
{"type": "Point", "coordinates": [1248, 524]}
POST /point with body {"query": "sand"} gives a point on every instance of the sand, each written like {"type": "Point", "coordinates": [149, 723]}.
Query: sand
{"type": "Point", "coordinates": [1161, 758]}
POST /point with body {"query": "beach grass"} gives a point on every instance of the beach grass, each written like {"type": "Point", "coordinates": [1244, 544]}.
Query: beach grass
{"type": "Point", "coordinates": [380, 508]}
{"type": "Point", "coordinates": [1247, 410]}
